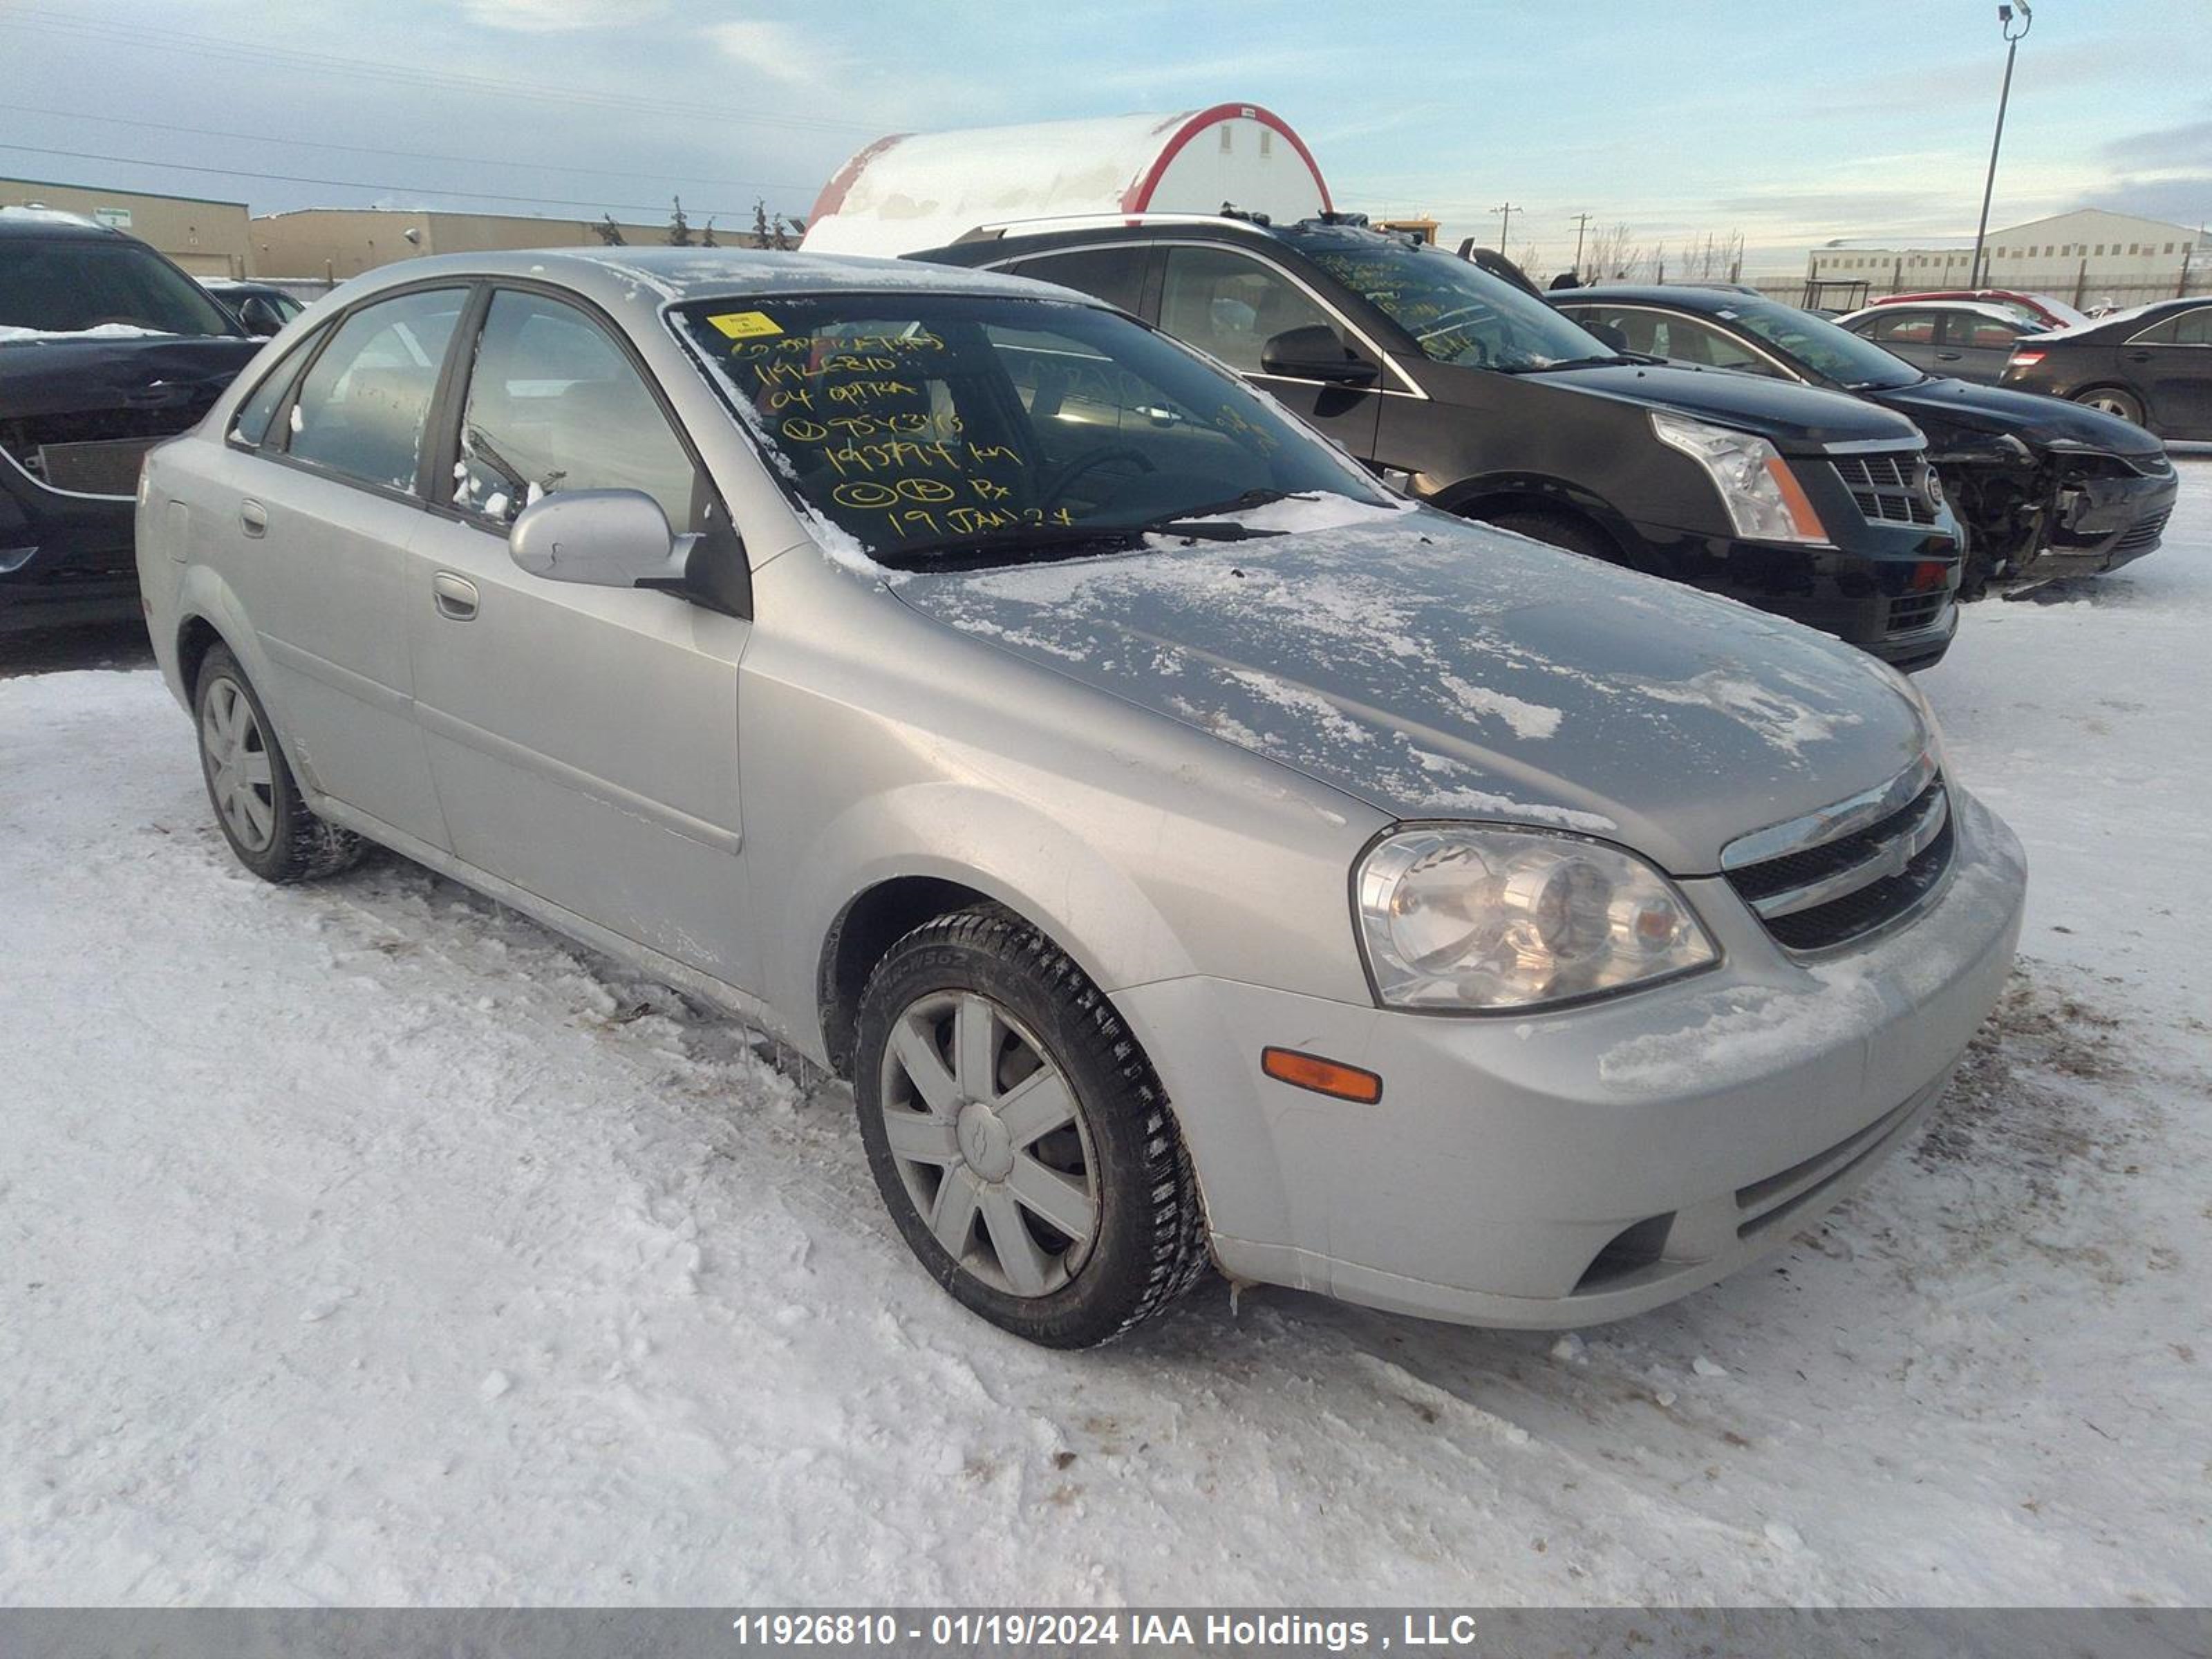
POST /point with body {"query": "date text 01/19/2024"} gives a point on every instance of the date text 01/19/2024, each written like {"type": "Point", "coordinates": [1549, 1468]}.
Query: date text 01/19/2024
{"type": "Point", "coordinates": [1137, 1631]}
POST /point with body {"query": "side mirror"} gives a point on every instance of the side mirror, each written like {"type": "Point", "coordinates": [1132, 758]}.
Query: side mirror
{"type": "Point", "coordinates": [621, 538]}
{"type": "Point", "coordinates": [604, 537]}
{"type": "Point", "coordinates": [1314, 353]}
{"type": "Point", "coordinates": [261, 319]}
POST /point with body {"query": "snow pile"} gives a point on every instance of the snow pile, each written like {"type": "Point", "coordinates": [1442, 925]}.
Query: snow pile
{"type": "Point", "coordinates": [364, 1244]}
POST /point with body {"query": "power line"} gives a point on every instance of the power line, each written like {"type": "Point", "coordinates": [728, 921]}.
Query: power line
{"type": "Point", "coordinates": [357, 183]}
{"type": "Point", "coordinates": [142, 36]}
{"type": "Point", "coordinates": [408, 155]}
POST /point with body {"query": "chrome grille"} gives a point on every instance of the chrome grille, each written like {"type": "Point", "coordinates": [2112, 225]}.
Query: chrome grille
{"type": "Point", "coordinates": [1888, 486]}
{"type": "Point", "coordinates": [1851, 871]}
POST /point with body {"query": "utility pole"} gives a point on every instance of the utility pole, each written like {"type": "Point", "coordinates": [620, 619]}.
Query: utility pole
{"type": "Point", "coordinates": [2005, 20]}
{"type": "Point", "coordinates": [1505, 223]}
{"type": "Point", "coordinates": [1582, 224]}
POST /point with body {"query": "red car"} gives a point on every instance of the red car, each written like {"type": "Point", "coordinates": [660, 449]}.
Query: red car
{"type": "Point", "coordinates": [2038, 309]}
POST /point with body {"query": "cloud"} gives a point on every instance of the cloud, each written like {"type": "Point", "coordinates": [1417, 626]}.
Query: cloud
{"type": "Point", "coordinates": [2184, 146]}
{"type": "Point", "coordinates": [2177, 198]}
{"type": "Point", "coordinates": [556, 16]}
{"type": "Point", "coordinates": [778, 51]}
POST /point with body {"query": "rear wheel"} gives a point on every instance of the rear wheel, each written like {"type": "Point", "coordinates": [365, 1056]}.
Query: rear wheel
{"type": "Point", "coordinates": [1019, 1137]}
{"type": "Point", "coordinates": [257, 800]}
{"type": "Point", "coordinates": [2112, 400]}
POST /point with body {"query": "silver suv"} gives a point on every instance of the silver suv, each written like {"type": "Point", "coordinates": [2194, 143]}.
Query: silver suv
{"type": "Point", "coordinates": [1189, 850]}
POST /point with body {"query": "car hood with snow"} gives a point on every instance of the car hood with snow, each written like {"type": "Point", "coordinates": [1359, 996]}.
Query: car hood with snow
{"type": "Point", "coordinates": [1439, 669]}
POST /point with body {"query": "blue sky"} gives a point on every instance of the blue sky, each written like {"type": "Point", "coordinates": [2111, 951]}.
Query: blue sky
{"type": "Point", "coordinates": [1787, 122]}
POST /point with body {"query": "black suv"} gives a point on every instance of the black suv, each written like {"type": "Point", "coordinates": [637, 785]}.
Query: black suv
{"type": "Point", "coordinates": [1477, 397]}
{"type": "Point", "coordinates": [105, 348]}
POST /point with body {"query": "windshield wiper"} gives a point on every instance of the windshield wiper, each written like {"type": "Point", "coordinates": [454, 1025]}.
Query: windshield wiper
{"type": "Point", "coordinates": [1205, 523]}
{"type": "Point", "coordinates": [1611, 359]}
{"type": "Point", "coordinates": [958, 552]}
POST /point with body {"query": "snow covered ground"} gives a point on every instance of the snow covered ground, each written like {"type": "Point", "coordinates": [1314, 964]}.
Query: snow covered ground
{"type": "Point", "coordinates": [364, 1244]}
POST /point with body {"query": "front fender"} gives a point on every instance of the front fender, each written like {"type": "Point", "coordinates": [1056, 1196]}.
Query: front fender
{"type": "Point", "coordinates": [1536, 492]}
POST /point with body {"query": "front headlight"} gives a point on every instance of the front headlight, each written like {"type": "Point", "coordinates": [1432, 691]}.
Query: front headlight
{"type": "Point", "coordinates": [1765, 500]}
{"type": "Point", "coordinates": [1464, 916]}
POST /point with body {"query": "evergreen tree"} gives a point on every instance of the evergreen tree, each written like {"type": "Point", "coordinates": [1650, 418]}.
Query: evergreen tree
{"type": "Point", "coordinates": [609, 232]}
{"type": "Point", "coordinates": [679, 228]}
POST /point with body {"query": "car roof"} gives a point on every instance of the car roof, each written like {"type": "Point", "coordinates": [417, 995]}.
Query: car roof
{"type": "Point", "coordinates": [1686, 296]}
{"type": "Point", "coordinates": [2132, 317]}
{"type": "Point", "coordinates": [1971, 307]}
{"type": "Point", "coordinates": [675, 276]}
{"type": "Point", "coordinates": [46, 223]}
{"type": "Point", "coordinates": [1014, 234]}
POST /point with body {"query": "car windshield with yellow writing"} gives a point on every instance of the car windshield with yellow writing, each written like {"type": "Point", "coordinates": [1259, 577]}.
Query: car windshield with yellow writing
{"type": "Point", "coordinates": [936, 427]}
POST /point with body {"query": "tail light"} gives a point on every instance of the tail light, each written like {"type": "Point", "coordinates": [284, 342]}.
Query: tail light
{"type": "Point", "coordinates": [2024, 360]}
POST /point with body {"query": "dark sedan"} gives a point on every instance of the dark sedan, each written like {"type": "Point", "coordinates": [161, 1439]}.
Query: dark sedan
{"type": "Point", "coordinates": [2152, 365]}
{"type": "Point", "coordinates": [2043, 489]}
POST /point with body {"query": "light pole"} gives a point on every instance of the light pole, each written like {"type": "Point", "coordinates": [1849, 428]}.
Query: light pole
{"type": "Point", "coordinates": [2005, 20]}
{"type": "Point", "coordinates": [1582, 224]}
{"type": "Point", "coordinates": [1505, 223]}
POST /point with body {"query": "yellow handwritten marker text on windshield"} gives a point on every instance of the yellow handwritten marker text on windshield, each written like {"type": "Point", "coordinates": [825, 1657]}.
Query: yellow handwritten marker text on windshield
{"type": "Point", "coordinates": [745, 324]}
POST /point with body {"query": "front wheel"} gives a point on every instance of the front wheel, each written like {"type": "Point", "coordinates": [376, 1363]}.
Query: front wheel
{"type": "Point", "coordinates": [2112, 400]}
{"type": "Point", "coordinates": [256, 799]}
{"type": "Point", "coordinates": [1018, 1135]}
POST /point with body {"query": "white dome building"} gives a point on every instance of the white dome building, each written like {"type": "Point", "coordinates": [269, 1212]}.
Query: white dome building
{"type": "Point", "coordinates": [912, 191]}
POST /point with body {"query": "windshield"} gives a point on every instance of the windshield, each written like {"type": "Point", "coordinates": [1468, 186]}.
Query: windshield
{"type": "Point", "coordinates": [1455, 312]}
{"type": "Point", "coordinates": [69, 286]}
{"type": "Point", "coordinates": [939, 426]}
{"type": "Point", "coordinates": [1832, 353]}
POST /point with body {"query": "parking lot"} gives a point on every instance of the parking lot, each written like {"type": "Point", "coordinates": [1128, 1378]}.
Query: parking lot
{"type": "Point", "coordinates": [365, 1244]}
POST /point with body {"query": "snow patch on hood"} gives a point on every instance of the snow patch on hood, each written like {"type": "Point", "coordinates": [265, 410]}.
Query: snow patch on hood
{"type": "Point", "coordinates": [1438, 669]}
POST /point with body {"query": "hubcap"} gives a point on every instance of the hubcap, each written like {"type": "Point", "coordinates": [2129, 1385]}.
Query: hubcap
{"type": "Point", "coordinates": [990, 1143]}
{"type": "Point", "coordinates": [237, 758]}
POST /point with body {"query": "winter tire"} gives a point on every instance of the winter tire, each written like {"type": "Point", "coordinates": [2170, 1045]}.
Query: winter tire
{"type": "Point", "coordinates": [257, 801]}
{"type": "Point", "coordinates": [1019, 1137]}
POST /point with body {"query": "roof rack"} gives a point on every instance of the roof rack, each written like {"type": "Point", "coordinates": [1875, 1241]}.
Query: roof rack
{"type": "Point", "coordinates": [993, 229]}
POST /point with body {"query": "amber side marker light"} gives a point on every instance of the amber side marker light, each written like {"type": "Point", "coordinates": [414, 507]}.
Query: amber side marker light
{"type": "Point", "coordinates": [1323, 1077]}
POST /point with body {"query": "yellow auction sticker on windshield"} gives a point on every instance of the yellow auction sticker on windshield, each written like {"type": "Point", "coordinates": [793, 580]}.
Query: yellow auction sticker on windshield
{"type": "Point", "coordinates": [745, 324]}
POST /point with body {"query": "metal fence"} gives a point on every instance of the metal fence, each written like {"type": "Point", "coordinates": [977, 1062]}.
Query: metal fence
{"type": "Point", "coordinates": [2078, 289]}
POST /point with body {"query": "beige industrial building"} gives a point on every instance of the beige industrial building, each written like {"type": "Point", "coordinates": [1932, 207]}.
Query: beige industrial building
{"type": "Point", "coordinates": [2082, 256]}
{"type": "Point", "coordinates": [335, 243]}
{"type": "Point", "coordinates": [207, 238]}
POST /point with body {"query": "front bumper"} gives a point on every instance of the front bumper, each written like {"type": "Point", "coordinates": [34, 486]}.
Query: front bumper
{"type": "Point", "coordinates": [1895, 597]}
{"type": "Point", "coordinates": [1565, 1169]}
{"type": "Point", "coordinates": [64, 558]}
{"type": "Point", "coordinates": [2100, 524]}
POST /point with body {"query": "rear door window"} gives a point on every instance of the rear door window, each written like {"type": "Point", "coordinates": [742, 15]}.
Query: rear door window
{"type": "Point", "coordinates": [250, 426]}
{"type": "Point", "coordinates": [364, 404]}
{"type": "Point", "coordinates": [1116, 275]}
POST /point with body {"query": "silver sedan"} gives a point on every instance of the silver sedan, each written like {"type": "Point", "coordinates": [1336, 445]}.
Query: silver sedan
{"type": "Point", "coordinates": [1191, 852]}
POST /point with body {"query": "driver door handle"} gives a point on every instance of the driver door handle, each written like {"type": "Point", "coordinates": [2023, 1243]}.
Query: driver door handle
{"type": "Point", "coordinates": [254, 518]}
{"type": "Point", "coordinates": [1947, 356]}
{"type": "Point", "coordinates": [456, 595]}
